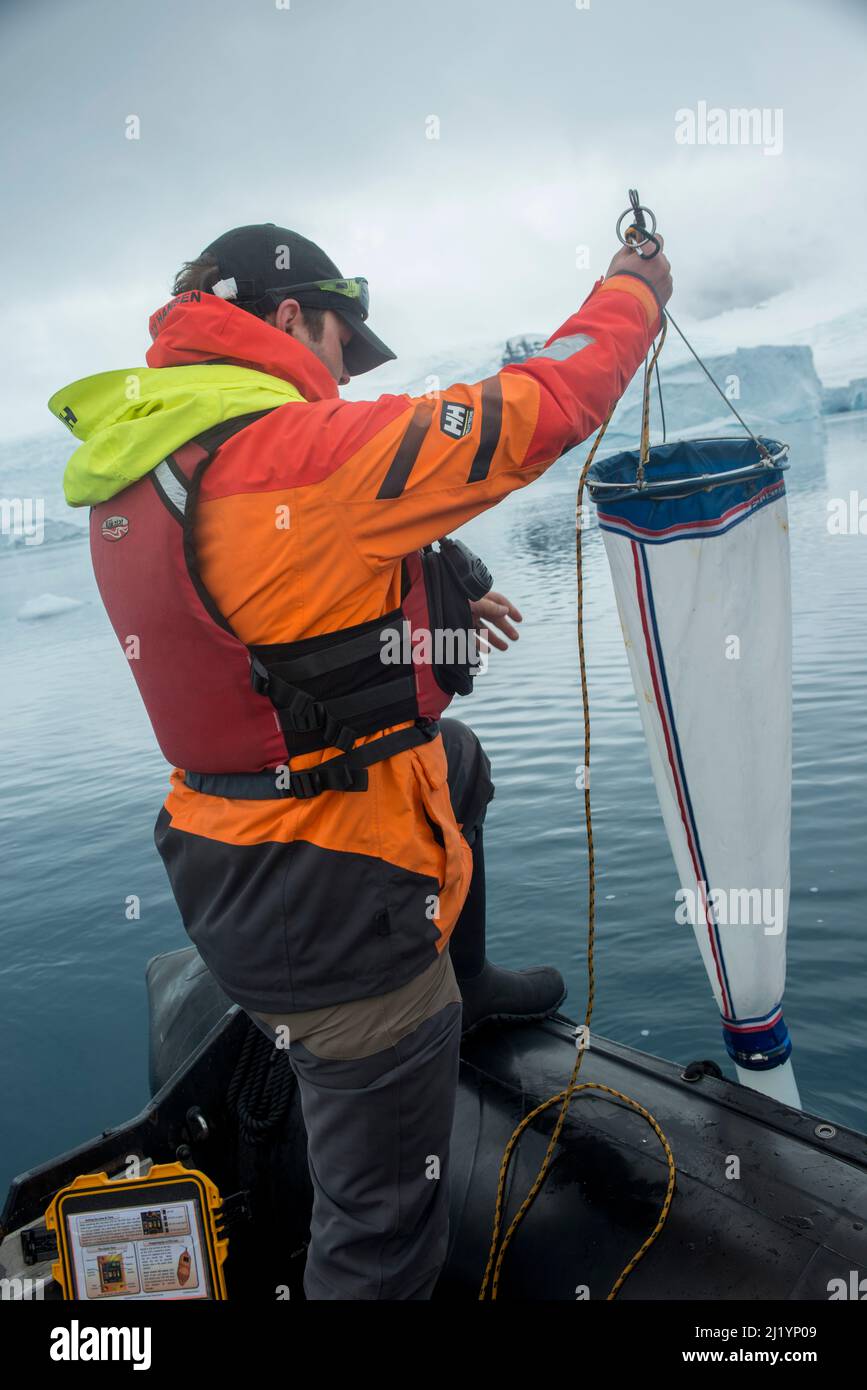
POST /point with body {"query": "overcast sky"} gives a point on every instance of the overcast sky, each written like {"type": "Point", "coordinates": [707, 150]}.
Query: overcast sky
{"type": "Point", "coordinates": [316, 116]}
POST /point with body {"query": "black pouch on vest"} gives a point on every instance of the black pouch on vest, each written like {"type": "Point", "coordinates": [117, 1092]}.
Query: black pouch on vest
{"type": "Point", "coordinates": [453, 576]}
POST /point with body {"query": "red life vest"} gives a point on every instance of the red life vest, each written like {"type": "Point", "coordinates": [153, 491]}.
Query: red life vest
{"type": "Point", "coordinates": [227, 713]}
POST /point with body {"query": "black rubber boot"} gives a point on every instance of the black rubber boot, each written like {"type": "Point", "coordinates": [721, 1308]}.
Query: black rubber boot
{"type": "Point", "coordinates": [489, 991]}
{"type": "Point", "coordinates": [511, 995]}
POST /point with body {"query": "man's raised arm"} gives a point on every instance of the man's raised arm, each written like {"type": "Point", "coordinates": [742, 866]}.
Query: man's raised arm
{"type": "Point", "coordinates": [410, 469]}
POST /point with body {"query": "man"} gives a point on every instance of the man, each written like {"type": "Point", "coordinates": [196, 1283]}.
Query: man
{"type": "Point", "coordinates": [256, 539]}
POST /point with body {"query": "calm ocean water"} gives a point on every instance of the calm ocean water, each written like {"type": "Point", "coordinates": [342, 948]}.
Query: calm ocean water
{"type": "Point", "coordinates": [83, 782]}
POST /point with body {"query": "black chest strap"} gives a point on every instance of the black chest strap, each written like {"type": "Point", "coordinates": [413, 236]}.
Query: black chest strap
{"type": "Point", "coordinates": [347, 773]}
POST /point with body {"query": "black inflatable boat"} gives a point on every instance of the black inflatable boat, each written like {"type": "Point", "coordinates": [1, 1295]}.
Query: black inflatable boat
{"type": "Point", "coordinates": [225, 1102]}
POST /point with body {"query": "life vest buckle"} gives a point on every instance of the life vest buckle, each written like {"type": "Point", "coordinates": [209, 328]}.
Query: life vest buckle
{"type": "Point", "coordinates": [304, 714]}
{"type": "Point", "coordinates": [338, 735]}
{"type": "Point", "coordinates": [305, 783]}
{"type": "Point", "coordinates": [337, 775]}
{"type": "Point", "coordinates": [259, 677]}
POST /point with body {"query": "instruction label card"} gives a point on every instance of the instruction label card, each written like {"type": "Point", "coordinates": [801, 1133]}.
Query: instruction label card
{"type": "Point", "coordinates": [138, 1252]}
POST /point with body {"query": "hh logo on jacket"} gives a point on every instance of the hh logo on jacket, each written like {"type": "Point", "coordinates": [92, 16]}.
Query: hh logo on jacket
{"type": "Point", "coordinates": [456, 419]}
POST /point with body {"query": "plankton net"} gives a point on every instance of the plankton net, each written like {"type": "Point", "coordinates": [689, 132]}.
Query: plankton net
{"type": "Point", "coordinates": [697, 539]}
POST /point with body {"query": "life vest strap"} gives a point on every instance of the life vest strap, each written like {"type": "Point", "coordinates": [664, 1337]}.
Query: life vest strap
{"type": "Point", "coordinates": [341, 653]}
{"type": "Point", "coordinates": [346, 773]}
{"type": "Point", "coordinates": [300, 712]}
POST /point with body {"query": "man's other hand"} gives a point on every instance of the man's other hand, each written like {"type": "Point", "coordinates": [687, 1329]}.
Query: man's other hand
{"type": "Point", "coordinates": [497, 609]}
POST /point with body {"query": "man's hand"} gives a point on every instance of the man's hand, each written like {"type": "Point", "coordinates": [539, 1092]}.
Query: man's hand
{"type": "Point", "coordinates": [656, 270]}
{"type": "Point", "coordinates": [495, 608]}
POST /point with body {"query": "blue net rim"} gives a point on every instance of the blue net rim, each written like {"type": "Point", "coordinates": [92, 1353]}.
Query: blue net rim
{"type": "Point", "coordinates": [685, 466]}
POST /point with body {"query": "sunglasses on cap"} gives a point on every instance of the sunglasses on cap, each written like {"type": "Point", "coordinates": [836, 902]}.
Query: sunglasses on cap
{"type": "Point", "coordinates": [354, 289]}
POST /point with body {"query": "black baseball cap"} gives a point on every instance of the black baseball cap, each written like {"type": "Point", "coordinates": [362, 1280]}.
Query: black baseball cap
{"type": "Point", "coordinates": [261, 264]}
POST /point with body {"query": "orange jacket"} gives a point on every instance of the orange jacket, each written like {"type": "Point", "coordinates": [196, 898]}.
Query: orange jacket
{"type": "Point", "coordinates": [367, 483]}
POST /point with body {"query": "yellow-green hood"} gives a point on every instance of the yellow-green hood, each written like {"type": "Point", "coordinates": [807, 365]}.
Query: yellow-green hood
{"type": "Point", "coordinates": [128, 421]}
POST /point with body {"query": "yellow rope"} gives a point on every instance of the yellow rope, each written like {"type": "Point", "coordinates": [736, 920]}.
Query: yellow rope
{"type": "Point", "coordinates": [495, 1258]}
{"type": "Point", "coordinates": [645, 405]}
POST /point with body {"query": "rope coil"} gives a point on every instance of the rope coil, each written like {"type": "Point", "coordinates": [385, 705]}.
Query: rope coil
{"type": "Point", "coordinates": [261, 1088]}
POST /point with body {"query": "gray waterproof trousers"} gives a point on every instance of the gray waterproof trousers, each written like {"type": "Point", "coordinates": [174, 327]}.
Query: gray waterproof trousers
{"type": "Point", "coordinates": [377, 1080]}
